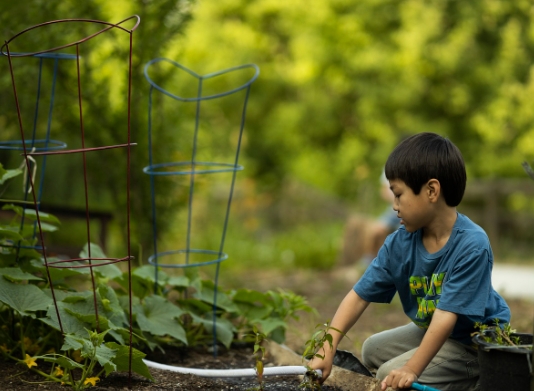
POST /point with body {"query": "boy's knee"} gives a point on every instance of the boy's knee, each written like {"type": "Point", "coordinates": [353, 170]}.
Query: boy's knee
{"type": "Point", "coordinates": [370, 351]}
{"type": "Point", "coordinates": [381, 373]}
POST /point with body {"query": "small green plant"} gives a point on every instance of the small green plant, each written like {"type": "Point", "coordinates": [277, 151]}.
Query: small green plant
{"type": "Point", "coordinates": [312, 348]}
{"type": "Point", "coordinates": [92, 357]}
{"type": "Point", "coordinates": [498, 334]}
{"type": "Point", "coordinates": [259, 355]}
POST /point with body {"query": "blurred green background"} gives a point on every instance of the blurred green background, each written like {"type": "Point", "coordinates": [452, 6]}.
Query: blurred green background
{"type": "Point", "coordinates": [341, 83]}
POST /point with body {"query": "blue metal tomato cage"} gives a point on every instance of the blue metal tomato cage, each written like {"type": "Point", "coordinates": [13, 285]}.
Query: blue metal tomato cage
{"type": "Point", "coordinates": [192, 168]}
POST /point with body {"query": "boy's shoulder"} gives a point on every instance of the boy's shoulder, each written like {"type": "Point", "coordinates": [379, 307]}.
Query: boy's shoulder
{"type": "Point", "coordinates": [464, 223]}
{"type": "Point", "coordinates": [469, 233]}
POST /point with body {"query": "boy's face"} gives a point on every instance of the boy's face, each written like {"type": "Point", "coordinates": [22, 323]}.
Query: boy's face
{"type": "Point", "coordinates": [412, 209]}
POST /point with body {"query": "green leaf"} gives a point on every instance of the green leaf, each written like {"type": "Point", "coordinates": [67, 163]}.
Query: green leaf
{"type": "Point", "coordinates": [143, 280]}
{"type": "Point", "coordinates": [90, 319]}
{"type": "Point", "coordinates": [8, 259]}
{"type": "Point", "coordinates": [268, 325]}
{"type": "Point", "coordinates": [28, 254]}
{"type": "Point", "coordinates": [72, 342]}
{"type": "Point", "coordinates": [106, 271]}
{"type": "Point", "coordinates": [207, 293]}
{"type": "Point", "coordinates": [11, 233]}
{"type": "Point", "coordinates": [111, 304]}
{"type": "Point", "coordinates": [62, 361]}
{"type": "Point", "coordinates": [224, 328]}
{"type": "Point", "coordinates": [195, 306]}
{"type": "Point", "coordinates": [278, 335]}
{"type": "Point", "coordinates": [71, 324]}
{"type": "Point", "coordinates": [8, 174]}
{"type": "Point", "coordinates": [105, 356]}
{"type": "Point", "coordinates": [76, 298]}
{"type": "Point", "coordinates": [25, 299]}
{"type": "Point", "coordinates": [15, 274]}
{"type": "Point", "coordinates": [68, 297]}
{"type": "Point", "coordinates": [140, 288]}
{"type": "Point", "coordinates": [122, 360]}
{"type": "Point", "coordinates": [252, 304]}
{"type": "Point", "coordinates": [122, 334]}
{"type": "Point", "coordinates": [193, 275]}
{"type": "Point", "coordinates": [77, 311]}
{"type": "Point", "coordinates": [255, 313]}
{"type": "Point", "coordinates": [57, 274]}
{"type": "Point", "coordinates": [249, 296]}
{"type": "Point", "coordinates": [179, 281]}
{"type": "Point", "coordinates": [45, 227]}
{"type": "Point", "coordinates": [147, 273]}
{"type": "Point", "coordinates": [31, 214]}
{"type": "Point", "coordinates": [96, 251]}
{"type": "Point", "coordinates": [159, 317]}
{"type": "Point", "coordinates": [116, 317]}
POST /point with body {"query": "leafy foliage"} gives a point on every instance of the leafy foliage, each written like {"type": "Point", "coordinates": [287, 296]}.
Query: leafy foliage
{"type": "Point", "coordinates": [500, 334]}
{"type": "Point", "coordinates": [318, 340]}
{"type": "Point", "coordinates": [42, 313]}
{"type": "Point", "coordinates": [312, 349]}
{"type": "Point", "coordinates": [342, 82]}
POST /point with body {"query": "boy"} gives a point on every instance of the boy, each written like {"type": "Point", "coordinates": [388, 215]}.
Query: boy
{"type": "Point", "coordinates": [439, 262]}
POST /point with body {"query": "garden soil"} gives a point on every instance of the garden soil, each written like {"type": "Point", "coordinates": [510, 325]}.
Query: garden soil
{"type": "Point", "coordinates": [324, 290]}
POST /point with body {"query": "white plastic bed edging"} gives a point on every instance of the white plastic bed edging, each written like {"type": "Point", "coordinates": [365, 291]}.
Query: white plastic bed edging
{"type": "Point", "coordinates": [244, 372]}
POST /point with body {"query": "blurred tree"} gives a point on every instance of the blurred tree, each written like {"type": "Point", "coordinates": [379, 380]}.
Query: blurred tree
{"type": "Point", "coordinates": [342, 81]}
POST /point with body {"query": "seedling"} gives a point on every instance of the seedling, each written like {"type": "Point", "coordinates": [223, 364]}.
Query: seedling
{"type": "Point", "coordinates": [500, 335]}
{"type": "Point", "coordinates": [312, 348]}
{"type": "Point", "coordinates": [259, 354]}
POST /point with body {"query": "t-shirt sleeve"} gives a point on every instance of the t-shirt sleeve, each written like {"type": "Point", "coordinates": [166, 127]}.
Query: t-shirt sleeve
{"type": "Point", "coordinates": [376, 284]}
{"type": "Point", "coordinates": [468, 285]}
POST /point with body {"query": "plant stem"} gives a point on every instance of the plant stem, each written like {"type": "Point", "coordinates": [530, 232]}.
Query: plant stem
{"type": "Point", "coordinates": [22, 349]}
{"type": "Point", "coordinates": [46, 376]}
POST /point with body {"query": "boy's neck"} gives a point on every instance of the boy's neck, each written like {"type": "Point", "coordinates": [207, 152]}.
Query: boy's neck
{"type": "Point", "coordinates": [437, 233]}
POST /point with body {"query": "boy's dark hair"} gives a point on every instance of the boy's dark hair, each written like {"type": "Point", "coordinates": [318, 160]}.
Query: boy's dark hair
{"type": "Point", "coordinates": [424, 156]}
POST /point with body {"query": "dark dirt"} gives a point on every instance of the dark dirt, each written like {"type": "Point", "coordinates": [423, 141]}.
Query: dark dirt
{"type": "Point", "coordinates": [17, 378]}
{"type": "Point", "coordinates": [324, 291]}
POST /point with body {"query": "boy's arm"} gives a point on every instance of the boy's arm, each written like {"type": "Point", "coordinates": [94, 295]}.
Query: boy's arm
{"type": "Point", "coordinates": [440, 328]}
{"type": "Point", "coordinates": [348, 312]}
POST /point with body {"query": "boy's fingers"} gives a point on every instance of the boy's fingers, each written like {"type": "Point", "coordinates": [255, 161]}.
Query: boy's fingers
{"type": "Point", "coordinates": [384, 385]}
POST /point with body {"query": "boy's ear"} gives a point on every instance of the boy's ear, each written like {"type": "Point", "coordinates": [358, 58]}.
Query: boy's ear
{"type": "Point", "coordinates": [433, 189]}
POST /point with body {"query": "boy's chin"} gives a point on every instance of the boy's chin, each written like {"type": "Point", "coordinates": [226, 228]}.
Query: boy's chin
{"type": "Point", "coordinates": [409, 229]}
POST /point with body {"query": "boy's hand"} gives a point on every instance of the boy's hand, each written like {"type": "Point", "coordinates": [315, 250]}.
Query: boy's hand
{"type": "Point", "coordinates": [399, 378]}
{"type": "Point", "coordinates": [325, 365]}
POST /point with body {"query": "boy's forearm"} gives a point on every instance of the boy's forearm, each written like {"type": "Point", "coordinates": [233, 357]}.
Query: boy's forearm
{"type": "Point", "coordinates": [439, 330]}
{"type": "Point", "coordinates": [348, 312]}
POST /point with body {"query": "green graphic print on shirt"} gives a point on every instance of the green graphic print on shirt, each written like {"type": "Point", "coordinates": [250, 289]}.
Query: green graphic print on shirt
{"type": "Point", "coordinates": [428, 292]}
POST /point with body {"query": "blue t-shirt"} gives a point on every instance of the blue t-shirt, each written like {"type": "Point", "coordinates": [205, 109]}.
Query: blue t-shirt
{"type": "Point", "coordinates": [457, 278]}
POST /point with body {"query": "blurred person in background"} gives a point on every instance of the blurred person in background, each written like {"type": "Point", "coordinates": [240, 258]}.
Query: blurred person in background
{"type": "Point", "coordinates": [364, 236]}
